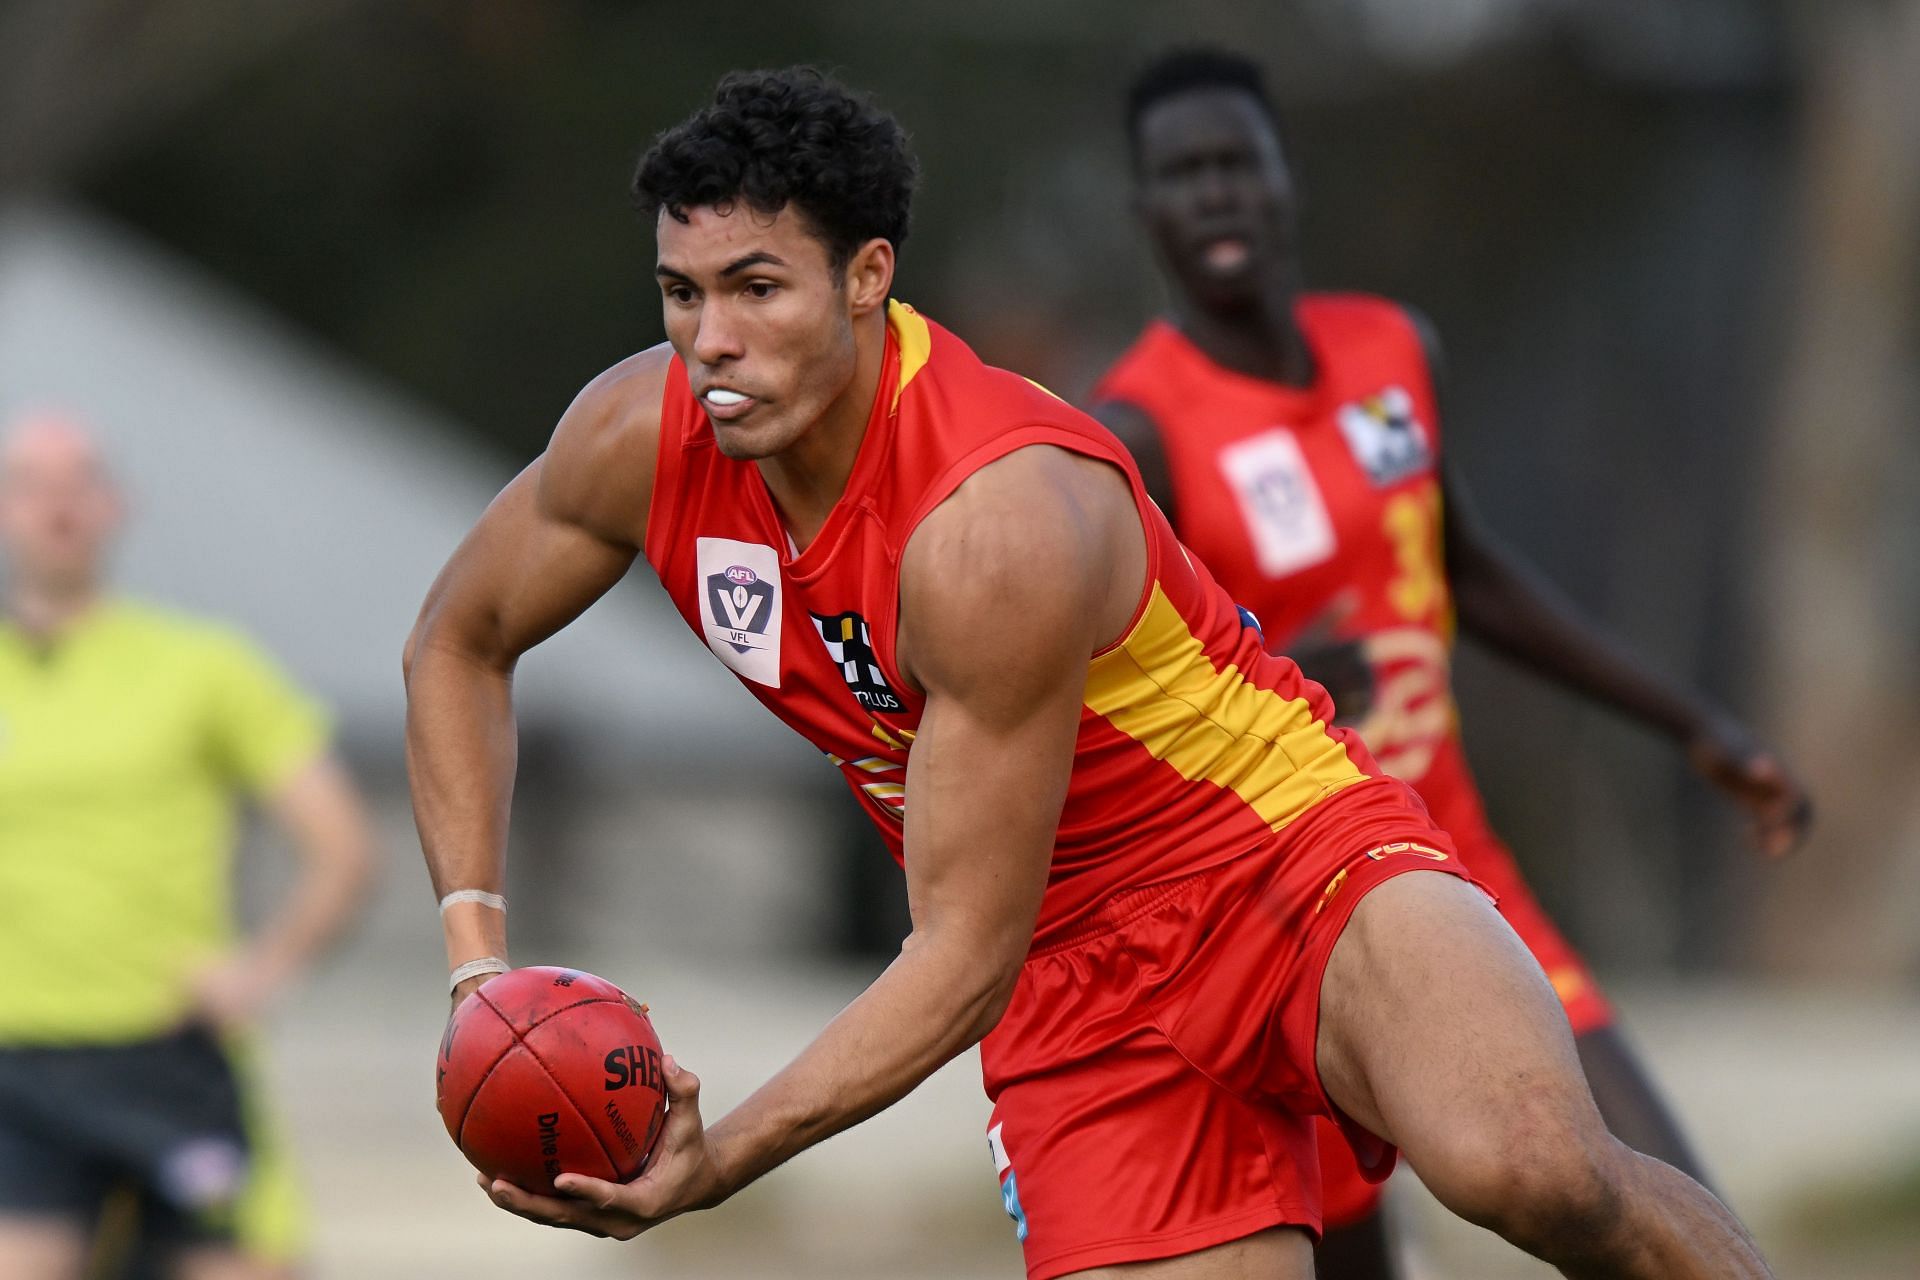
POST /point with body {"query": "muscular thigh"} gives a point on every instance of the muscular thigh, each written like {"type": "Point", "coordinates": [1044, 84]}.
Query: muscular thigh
{"type": "Point", "coordinates": [1283, 1253]}
{"type": "Point", "coordinates": [1438, 1027]}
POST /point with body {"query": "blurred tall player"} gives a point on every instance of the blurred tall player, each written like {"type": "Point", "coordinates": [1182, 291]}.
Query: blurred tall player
{"type": "Point", "coordinates": [1294, 439]}
{"type": "Point", "coordinates": [126, 736]}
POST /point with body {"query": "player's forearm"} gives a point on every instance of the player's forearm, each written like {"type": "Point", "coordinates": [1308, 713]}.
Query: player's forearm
{"type": "Point", "coordinates": [461, 754]}
{"type": "Point", "coordinates": [1512, 609]}
{"type": "Point", "coordinates": [935, 1000]}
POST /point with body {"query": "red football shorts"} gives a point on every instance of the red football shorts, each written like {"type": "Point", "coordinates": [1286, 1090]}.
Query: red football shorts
{"type": "Point", "coordinates": [1453, 800]}
{"type": "Point", "coordinates": [1153, 1078]}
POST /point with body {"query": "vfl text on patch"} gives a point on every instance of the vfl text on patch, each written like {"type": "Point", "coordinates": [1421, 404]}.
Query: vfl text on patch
{"type": "Point", "coordinates": [740, 606]}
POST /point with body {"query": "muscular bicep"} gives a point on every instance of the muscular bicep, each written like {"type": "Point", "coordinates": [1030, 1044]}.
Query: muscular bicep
{"type": "Point", "coordinates": [1007, 590]}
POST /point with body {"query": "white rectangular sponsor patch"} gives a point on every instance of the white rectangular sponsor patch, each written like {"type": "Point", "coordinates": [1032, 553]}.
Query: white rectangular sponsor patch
{"type": "Point", "coordinates": [739, 588]}
{"type": "Point", "coordinates": [1285, 515]}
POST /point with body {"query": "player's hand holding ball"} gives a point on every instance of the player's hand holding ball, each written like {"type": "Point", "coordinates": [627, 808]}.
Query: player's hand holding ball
{"type": "Point", "coordinates": [552, 1083]}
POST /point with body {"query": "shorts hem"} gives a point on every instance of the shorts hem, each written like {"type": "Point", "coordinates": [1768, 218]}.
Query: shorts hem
{"type": "Point", "coordinates": [1159, 1245]}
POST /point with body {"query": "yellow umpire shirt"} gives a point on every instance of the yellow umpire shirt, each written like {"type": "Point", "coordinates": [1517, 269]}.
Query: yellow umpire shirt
{"type": "Point", "coordinates": [125, 746]}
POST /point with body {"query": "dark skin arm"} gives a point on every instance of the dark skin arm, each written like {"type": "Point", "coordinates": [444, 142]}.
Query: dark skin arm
{"type": "Point", "coordinates": [1048, 546]}
{"type": "Point", "coordinates": [1339, 666]}
{"type": "Point", "coordinates": [1508, 605]}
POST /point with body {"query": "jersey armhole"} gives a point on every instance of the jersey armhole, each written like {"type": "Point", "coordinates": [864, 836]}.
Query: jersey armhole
{"type": "Point", "coordinates": [888, 624]}
{"type": "Point", "coordinates": [1414, 330]}
{"type": "Point", "coordinates": [661, 505]}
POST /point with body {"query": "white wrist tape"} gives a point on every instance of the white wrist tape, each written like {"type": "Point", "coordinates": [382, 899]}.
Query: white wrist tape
{"type": "Point", "coordinates": [480, 896]}
{"type": "Point", "coordinates": [474, 968]}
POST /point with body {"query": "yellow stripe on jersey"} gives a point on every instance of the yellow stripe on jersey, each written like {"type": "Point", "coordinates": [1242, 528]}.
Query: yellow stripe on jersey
{"type": "Point", "coordinates": [1212, 725]}
{"type": "Point", "coordinates": [899, 741]}
{"type": "Point", "coordinates": [915, 340]}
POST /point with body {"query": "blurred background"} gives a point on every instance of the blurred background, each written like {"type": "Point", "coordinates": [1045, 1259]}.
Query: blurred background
{"type": "Point", "coordinates": [324, 276]}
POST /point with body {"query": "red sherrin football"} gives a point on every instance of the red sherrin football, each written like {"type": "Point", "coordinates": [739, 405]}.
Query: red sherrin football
{"type": "Point", "coordinates": [546, 1071]}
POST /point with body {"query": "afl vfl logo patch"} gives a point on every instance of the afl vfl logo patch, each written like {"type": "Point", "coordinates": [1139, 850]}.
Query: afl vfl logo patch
{"type": "Point", "coordinates": [739, 586]}
{"type": "Point", "coordinates": [1285, 516]}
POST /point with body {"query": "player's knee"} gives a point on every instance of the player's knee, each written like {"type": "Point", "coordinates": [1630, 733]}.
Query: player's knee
{"type": "Point", "coordinates": [1553, 1189]}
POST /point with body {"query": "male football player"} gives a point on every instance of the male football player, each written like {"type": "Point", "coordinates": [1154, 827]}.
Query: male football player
{"type": "Point", "coordinates": [1180, 911]}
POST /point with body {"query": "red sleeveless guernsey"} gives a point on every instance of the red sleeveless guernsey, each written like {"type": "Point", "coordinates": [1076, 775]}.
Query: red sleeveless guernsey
{"type": "Point", "coordinates": [1319, 506]}
{"type": "Point", "coordinates": [1195, 745]}
{"type": "Point", "coordinates": [1319, 509]}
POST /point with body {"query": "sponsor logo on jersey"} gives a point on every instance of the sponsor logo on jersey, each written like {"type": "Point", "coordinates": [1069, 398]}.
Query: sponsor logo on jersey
{"type": "Point", "coordinates": [1388, 442]}
{"type": "Point", "coordinates": [740, 606]}
{"type": "Point", "coordinates": [850, 644]}
{"type": "Point", "coordinates": [1285, 515]}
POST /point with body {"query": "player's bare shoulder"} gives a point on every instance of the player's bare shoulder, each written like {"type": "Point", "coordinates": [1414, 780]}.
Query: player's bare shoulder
{"type": "Point", "coordinates": [1044, 535]}
{"type": "Point", "coordinates": [598, 469]}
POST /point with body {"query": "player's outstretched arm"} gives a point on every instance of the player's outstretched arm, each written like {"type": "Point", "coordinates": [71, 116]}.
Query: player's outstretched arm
{"type": "Point", "coordinates": [1509, 605]}
{"type": "Point", "coordinates": [1007, 590]}
{"type": "Point", "coordinates": [554, 541]}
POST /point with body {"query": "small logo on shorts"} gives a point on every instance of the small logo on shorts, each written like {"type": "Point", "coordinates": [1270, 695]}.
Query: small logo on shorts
{"type": "Point", "coordinates": [1386, 851]}
{"type": "Point", "coordinates": [1009, 1189]}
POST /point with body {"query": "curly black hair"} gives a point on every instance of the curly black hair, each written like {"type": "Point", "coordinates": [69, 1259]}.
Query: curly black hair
{"type": "Point", "coordinates": [1185, 70]}
{"type": "Point", "coordinates": [799, 137]}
